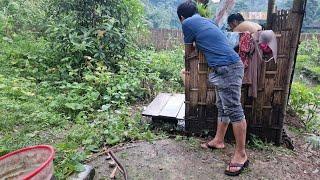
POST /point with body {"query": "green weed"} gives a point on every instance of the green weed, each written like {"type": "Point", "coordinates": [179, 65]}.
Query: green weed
{"type": "Point", "coordinates": [305, 102]}
{"type": "Point", "coordinates": [68, 97]}
{"type": "Point", "coordinates": [257, 143]}
{"type": "Point", "coordinates": [314, 142]}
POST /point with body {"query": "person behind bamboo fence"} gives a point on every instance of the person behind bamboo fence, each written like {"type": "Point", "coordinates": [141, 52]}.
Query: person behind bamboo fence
{"type": "Point", "coordinates": [255, 46]}
{"type": "Point", "coordinates": [237, 23]}
{"type": "Point", "coordinates": [228, 71]}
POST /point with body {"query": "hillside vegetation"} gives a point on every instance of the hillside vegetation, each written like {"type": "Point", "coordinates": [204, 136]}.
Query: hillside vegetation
{"type": "Point", "coordinates": [73, 76]}
{"type": "Point", "coordinates": [162, 13]}
{"type": "Point", "coordinates": [69, 79]}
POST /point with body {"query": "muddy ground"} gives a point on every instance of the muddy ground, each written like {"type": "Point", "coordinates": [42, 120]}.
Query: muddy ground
{"type": "Point", "coordinates": [182, 158]}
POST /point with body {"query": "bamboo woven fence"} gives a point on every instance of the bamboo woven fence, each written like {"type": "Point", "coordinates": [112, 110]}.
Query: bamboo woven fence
{"type": "Point", "coordinates": [166, 39]}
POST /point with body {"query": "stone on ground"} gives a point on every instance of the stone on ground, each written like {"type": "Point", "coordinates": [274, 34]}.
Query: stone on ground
{"type": "Point", "coordinates": [87, 174]}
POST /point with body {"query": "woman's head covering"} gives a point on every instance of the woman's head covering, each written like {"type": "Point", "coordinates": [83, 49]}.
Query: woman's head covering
{"type": "Point", "coordinates": [269, 37]}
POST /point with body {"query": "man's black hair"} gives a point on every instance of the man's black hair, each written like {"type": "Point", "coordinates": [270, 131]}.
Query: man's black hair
{"type": "Point", "coordinates": [235, 17]}
{"type": "Point", "coordinates": [187, 9]}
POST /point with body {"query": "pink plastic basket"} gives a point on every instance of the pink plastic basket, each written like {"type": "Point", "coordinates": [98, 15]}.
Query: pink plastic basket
{"type": "Point", "coordinates": [31, 163]}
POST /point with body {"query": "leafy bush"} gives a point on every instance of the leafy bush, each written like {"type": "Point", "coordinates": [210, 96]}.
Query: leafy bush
{"type": "Point", "coordinates": [169, 64]}
{"type": "Point", "coordinates": [306, 103]}
{"type": "Point", "coordinates": [68, 115]}
{"type": "Point", "coordinates": [308, 61]}
{"type": "Point", "coordinates": [103, 30]}
{"type": "Point", "coordinates": [38, 106]}
{"type": "Point", "coordinates": [57, 87]}
{"type": "Point", "coordinates": [311, 48]}
{"type": "Point", "coordinates": [203, 10]}
{"type": "Point", "coordinates": [27, 56]}
{"type": "Point", "coordinates": [19, 16]}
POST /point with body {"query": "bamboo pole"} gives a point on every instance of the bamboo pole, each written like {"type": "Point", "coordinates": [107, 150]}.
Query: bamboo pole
{"type": "Point", "coordinates": [299, 7]}
{"type": "Point", "coordinates": [296, 20]}
{"type": "Point", "coordinates": [271, 10]}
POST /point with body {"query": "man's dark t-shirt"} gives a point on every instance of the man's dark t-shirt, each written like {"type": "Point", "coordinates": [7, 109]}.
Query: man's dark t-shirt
{"type": "Point", "coordinates": [210, 40]}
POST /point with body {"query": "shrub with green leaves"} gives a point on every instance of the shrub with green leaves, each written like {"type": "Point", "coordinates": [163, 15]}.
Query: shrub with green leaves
{"type": "Point", "coordinates": [308, 61]}
{"type": "Point", "coordinates": [311, 48]}
{"type": "Point", "coordinates": [169, 64]}
{"type": "Point", "coordinates": [72, 85]}
{"type": "Point", "coordinates": [305, 102]}
{"type": "Point", "coordinates": [20, 16]}
{"type": "Point", "coordinates": [38, 106]}
{"type": "Point", "coordinates": [203, 10]}
{"type": "Point", "coordinates": [103, 30]}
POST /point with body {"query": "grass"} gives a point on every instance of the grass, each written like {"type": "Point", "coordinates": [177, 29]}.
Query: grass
{"type": "Point", "coordinates": [305, 89]}
{"type": "Point", "coordinates": [296, 130]}
{"type": "Point", "coordinates": [36, 108]}
{"type": "Point", "coordinates": [25, 116]}
{"type": "Point", "coordinates": [257, 144]}
{"type": "Point", "coordinates": [308, 62]}
{"type": "Point", "coordinates": [39, 106]}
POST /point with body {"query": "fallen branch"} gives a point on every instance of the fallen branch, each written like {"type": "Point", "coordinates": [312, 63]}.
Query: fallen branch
{"type": "Point", "coordinates": [104, 151]}
{"type": "Point", "coordinates": [119, 166]}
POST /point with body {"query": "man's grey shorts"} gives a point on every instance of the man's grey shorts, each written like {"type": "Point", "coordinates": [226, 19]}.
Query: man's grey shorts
{"type": "Point", "coordinates": [228, 81]}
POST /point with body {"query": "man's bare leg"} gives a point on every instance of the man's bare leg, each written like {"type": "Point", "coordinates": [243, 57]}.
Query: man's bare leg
{"type": "Point", "coordinates": [218, 141]}
{"type": "Point", "coordinates": [240, 155]}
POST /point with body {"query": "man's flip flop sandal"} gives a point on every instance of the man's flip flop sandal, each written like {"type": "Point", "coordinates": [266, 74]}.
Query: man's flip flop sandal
{"type": "Point", "coordinates": [207, 146]}
{"type": "Point", "coordinates": [236, 173]}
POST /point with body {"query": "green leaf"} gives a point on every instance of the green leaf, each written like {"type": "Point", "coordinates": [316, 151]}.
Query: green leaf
{"type": "Point", "coordinates": [93, 148]}
{"type": "Point", "coordinates": [74, 106]}
{"type": "Point", "coordinates": [106, 107]}
{"type": "Point", "coordinates": [113, 140]}
{"type": "Point", "coordinates": [79, 167]}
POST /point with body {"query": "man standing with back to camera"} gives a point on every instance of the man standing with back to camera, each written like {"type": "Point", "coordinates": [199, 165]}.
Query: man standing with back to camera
{"type": "Point", "coordinates": [227, 78]}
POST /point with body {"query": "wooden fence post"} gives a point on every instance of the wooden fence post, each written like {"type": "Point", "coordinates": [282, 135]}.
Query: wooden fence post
{"type": "Point", "coordinates": [271, 10]}
{"type": "Point", "coordinates": [298, 12]}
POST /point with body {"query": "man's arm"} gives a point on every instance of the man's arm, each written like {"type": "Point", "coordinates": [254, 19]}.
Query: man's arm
{"type": "Point", "coordinates": [189, 36]}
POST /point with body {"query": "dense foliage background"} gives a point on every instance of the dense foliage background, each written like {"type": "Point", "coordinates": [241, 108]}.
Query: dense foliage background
{"type": "Point", "coordinates": [69, 73]}
{"type": "Point", "coordinates": [72, 74]}
{"type": "Point", "coordinates": [162, 14]}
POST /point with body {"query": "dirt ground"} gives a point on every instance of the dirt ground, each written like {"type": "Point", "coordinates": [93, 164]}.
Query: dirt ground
{"type": "Point", "coordinates": [182, 158]}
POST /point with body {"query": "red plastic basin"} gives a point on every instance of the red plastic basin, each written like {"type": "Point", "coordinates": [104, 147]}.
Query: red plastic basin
{"type": "Point", "coordinates": [31, 163]}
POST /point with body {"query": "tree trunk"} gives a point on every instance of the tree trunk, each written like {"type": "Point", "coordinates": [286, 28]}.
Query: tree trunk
{"type": "Point", "coordinates": [271, 10]}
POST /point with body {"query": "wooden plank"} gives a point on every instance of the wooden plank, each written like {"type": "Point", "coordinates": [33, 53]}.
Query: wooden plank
{"type": "Point", "coordinates": [173, 106]}
{"type": "Point", "coordinates": [182, 112]}
{"type": "Point", "coordinates": [157, 105]}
